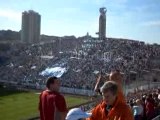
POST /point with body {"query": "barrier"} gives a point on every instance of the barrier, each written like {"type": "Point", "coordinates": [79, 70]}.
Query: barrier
{"type": "Point", "coordinates": [77, 91]}
{"type": "Point", "coordinates": [84, 106]}
{"type": "Point", "coordinates": [127, 88]}
{"type": "Point", "coordinates": [88, 105]}
{"type": "Point", "coordinates": [156, 118]}
{"type": "Point", "coordinates": [141, 85]}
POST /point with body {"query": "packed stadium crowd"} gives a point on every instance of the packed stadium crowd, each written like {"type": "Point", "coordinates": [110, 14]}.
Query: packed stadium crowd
{"type": "Point", "coordinates": [25, 62]}
{"type": "Point", "coordinates": [123, 55]}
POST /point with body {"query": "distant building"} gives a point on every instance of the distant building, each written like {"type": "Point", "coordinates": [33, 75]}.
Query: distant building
{"type": "Point", "coordinates": [102, 23]}
{"type": "Point", "coordinates": [31, 25]}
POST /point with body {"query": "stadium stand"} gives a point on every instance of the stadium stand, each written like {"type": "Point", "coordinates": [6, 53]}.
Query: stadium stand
{"type": "Point", "coordinates": [23, 65]}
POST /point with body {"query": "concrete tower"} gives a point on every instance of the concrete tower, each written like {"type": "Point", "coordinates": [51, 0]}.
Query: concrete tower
{"type": "Point", "coordinates": [102, 23]}
{"type": "Point", "coordinates": [30, 29]}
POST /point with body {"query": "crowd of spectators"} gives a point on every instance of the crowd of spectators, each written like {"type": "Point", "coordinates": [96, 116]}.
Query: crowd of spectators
{"type": "Point", "coordinates": [26, 62]}
{"type": "Point", "coordinates": [22, 63]}
{"type": "Point", "coordinates": [120, 54]}
{"type": "Point", "coordinates": [145, 104]}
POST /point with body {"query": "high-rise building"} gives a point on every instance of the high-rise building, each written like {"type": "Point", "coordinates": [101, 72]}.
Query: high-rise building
{"type": "Point", "coordinates": [102, 23]}
{"type": "Point", "coordinates": [31, 25]}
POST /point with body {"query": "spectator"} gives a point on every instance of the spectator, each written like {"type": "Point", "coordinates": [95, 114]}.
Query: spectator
{"type": "Point", "coordinates": [138, 110]}
{"type": "Point", "coordinates": [144, 107]}
{"type": "Point", "coordinates": [52, 105]}
{"type": "Point", "coordinates": [111, 108]}
{"type": "Point", "coordinates": [149, 108]}
{"type": "Point", "coordinates": [117, 77]}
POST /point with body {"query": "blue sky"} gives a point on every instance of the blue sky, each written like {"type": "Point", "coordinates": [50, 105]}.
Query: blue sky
{"type": "Point", "coordinates": [133, 19]}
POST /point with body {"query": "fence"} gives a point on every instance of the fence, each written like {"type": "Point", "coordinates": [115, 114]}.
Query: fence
{"type": "Point", "coordinates": [156, 118]}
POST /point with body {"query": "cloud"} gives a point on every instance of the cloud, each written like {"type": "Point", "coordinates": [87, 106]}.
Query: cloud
{"type": "Point", "coordinates": [152, 23]}
{"type": "Point", "coordinates": [10, 14]}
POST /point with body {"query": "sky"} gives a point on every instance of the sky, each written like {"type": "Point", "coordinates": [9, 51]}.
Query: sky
{"type": "Point", "coordinates": [129, 19]}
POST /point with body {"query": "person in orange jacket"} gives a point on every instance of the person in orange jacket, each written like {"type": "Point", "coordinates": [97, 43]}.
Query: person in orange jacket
{"type": "Point", "coordinates": [111, 108]}
{"type": "Point", "coordinates": [115, 76]}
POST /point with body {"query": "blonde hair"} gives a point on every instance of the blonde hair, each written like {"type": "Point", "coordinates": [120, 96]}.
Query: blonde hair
{"type": "Point", "coordinates": [110, 86]}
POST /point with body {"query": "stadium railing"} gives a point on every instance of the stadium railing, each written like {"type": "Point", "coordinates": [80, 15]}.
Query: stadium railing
{"type": "Point", "coordinates": [156, 118]}
{"type": "Point", "coordinates": [84, 106]}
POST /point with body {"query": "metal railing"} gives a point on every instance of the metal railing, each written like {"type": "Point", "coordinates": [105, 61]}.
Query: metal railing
{"type": "Point", "coordinates": [87, 106]}
{"type": "Point", "coordinates": [156, 118]}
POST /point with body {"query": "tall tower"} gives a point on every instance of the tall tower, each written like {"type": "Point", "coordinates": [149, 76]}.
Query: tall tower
{"type": "Point", "coordinates": [102, 23]}
{"type": "Point", "coordinates": [30, 29]}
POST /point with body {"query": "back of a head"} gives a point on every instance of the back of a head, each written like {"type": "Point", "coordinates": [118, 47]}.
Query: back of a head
{"type": "Point", "coordinates": [116, 76]}
{"type": "Point", "coordinates": [138, 102]}
{"type": "Point", "coordinates": [50, 81]}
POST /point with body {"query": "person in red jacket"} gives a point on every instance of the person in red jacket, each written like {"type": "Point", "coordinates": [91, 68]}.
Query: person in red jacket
{"type": "Point", "coordinates": [112, 107]}
{"type": "Point", "coordinates": [52, 105]}
{"type": "Point", "coordinates": [149, 108]}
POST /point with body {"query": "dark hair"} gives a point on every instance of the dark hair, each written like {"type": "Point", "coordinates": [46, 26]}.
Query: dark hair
{"type": "Point", "coordinates": [50, 81]}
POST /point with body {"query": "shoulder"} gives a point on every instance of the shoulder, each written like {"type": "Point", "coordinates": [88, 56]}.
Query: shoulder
{"type": "Point", "coordinates": [135, 107]}
{"type": "Point", "coordinates": [124, 111]}
{"type": "Point", "coordinates": [101, 104]}
{"type": "Point", "coordinates": [59, 95]}
{"type": "Point", "coordinates": [97, 112]}
{"type": "Point", "coordinates": [123, 108]}
{"type": "Point", "coordinates": [59, 98]}
{"type": "Point", "coordinates": [99, 107]}
{"type": "Point", "coordinates": [43, 93]}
